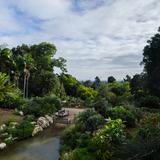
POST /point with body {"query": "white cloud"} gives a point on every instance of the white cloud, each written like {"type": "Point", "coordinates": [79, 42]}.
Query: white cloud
{"type": "Point", "coordinates": [90, 34]}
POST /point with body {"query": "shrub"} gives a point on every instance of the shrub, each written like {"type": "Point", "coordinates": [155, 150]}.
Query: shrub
{"type": "Point", "coordinates": [89, 120]}
{"type": "Point", "coordinates": [106, 138]}
{"type": "Point", "coordinates": [24, 130]}
{"type": "Point", "coordinates": [9, 95]}
{"type": "Point", "coordinates": [101, 106]}
{"type": "Point", "coordinates": [21, 131]}
{"type": "Point", "coordinates": [86, 93]}
{"type": "Point", "coordinates": [74, 102]}
{"type": "Point", "coordinates": [127, 116]}
{"type": "Point", "coordinates": [70, 136]}
{"type": "Point", "coordinates": [78, 154]}
{"type": "Point", "coordinates": [30, 118]}
{"type": "Point", "coordinates": [150, 102]}
{"type": "Point", "coordinates": [146, 143]}
{"type": "Point", "coordinates": [39, 106]}
{"type": "Point", "coordinates": [150, 126]}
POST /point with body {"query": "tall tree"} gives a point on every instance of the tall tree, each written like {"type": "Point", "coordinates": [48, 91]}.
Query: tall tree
{"type": "Point", "coordinates": [96, 83]}
{"type": "Point", "coordinates": [111, 79]}
{"type": "Point", "coordinates": [151, 62]}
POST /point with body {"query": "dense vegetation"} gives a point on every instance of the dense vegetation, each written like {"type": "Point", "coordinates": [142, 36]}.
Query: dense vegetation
{"type": "Point", "coordinates": [122, 118]}
{"type": "Point", "coordinates": [123, 122]}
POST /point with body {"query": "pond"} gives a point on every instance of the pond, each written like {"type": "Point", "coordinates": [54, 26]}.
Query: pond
{"type": "Point", "coordinates": [45, 146]}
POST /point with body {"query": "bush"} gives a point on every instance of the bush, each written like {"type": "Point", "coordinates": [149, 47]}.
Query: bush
{"type": "Point", "coordinates": [79, 154]}
{"type": "Point", "coordinates": [127, 116]}
{"type": "Point", "coordinates": [108, 137]}
{"type": "Point", "coordinates": [70, 136]}
{"type": "Point", "coordinates": [101, 106]}
{"type": "Point", "coordinates": [24, 130]}
{"type": "Point", "coordinates": [86, 93]}
{"type": "Point", "coordinates": [74, 102]}
{"type": "Point", "coordinates": [150, 126]}
{"type": "Point", "coordinates": [150, 102]}
{"type": "Point", "coordinates": [89, 120]}
{"type": "Point", "coordinates": [39, 106]}
{"type": "Point", "coordinates": [10, 96]}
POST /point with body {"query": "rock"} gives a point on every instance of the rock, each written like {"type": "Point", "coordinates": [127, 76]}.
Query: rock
{"type": "Point", "coordinates": [49, 118]}
{"type": "Point", "coordinates": [2, 145]}
{"type": "Point", "coordinates": [3, 127]}
{"type": "Point", "coordinates": [34, 123]}
{"type": "Point", "coordinates": [37, 129]}
{"type": "Point", "coordinates": [13, 124]}
{"type": "Point", "coordinates": [21, 113]}
{"type": "Point", "coordinates": [43, 122]}
{"type": "Point", "coordinates": [4, 134]}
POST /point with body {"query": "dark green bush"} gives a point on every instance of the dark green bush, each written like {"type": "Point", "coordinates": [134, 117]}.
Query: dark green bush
{"type": "Point", "coordinates": [24, 130]}
{"type": "Point", "coordinates": [150, 102]}
{"type": "Point", "coordinates": [74, 102]}
{"type": "Point", "coordinates": [127, 116]}
{"type": "Point", "coordinates": [150, 126]}
{"type": "Point", "coordinates": [79, 154]}
{"type": "Point", "coordinates": [39, 106]}
{"type": "Point", "coordinates": [89, 120]}
{"type": "Point", "coordinates": [70, 136]}
{"type": "Point", "coordinates": [101, 106]}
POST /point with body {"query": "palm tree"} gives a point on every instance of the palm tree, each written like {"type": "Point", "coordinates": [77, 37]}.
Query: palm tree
{"type": "Point", "coordinates": [26, 80]}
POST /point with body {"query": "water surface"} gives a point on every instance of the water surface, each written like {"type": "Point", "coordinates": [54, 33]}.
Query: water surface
{"type": "Point", "coordinates": [42, 147]}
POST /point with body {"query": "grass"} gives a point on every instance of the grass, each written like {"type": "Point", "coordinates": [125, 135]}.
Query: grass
{"type": "Point", "coordinates": [8, 115]}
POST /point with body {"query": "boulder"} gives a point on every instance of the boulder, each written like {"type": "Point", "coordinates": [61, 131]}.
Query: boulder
{"type": "Point", "coordinates": [2, 145]}
{"type": "Point", "coordinates": [49, 118]}
{"type": "Point", "coordinates": [3, 127]}
{"type": "Point", "coordinates": [36, 130]}
{"type": "Point", "coordinates": [34, 123]}
{"type": "Point", "coordinates": [43, 122]}
{"type": "Point", "coordinates": [21, 113]}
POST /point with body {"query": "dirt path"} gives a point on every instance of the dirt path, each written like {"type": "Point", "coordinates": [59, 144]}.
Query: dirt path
{"type": "Point", "coordinates": [73, 112]}
{"type": "Point", "coordinates": [8, 114]}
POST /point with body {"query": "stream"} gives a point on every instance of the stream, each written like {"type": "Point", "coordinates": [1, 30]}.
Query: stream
{"type": "Point", "coordinates": [45, 146]}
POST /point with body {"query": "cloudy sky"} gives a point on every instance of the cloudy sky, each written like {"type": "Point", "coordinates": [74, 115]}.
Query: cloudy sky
{"type": "Point", "coordinates": [97, 37]}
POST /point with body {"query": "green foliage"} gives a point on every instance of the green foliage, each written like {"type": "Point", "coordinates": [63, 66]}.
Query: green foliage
{"type": "Point", "coordinates": [96, 84]}
{"type": "Point", "coordinates": [86, 93]}
{"type": "Point", "coordinates": [70, 136]}
{"type": "Point", "coordinates": [106, 138]}
{"type": "Point", "coordinates": [24, 130]}
{"type": "Point", "coordinates": [39, 106]}
{"type": "Point", "coordinates": [146, 143]}
{"type": "Point", "coordinates": [149, 102]}
{"type": "Point", "coordinates": [40, 63]}
{"type": "Point", "coordinates": [150, 127]}
{"type": "Point", "coordinates": [127, 116]}
{"type": "Point", "coordinates": [89, 120]}
{"type": "Point", "coordinates": [78, 154]}
{"type": "Point", "coordinates": [74, 102]}
{"type": "Point", "coordinates": [101, 106]}
{"type": "Point", "coordinates": [111, 79]}
{"type": "Point", "coordinates": [20, 131]}
{"type": "Point", "coordinates": [116, 93]}
{"type": "Point", "coordinates": [6, 61]}
{"type": "Point", "coordinates": [70, 84]}
{"type": "Point", "coordinates": [9, 95]}
{"type": "Point", "coordinates": [151, 58]}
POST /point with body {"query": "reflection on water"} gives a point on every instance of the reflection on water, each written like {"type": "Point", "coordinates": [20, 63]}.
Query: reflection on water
{"type": "Point", "coordinates": [42, 147]}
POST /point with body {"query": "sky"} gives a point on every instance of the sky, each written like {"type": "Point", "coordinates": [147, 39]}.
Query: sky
{"type": "Point", "coordinates": [96, 37]}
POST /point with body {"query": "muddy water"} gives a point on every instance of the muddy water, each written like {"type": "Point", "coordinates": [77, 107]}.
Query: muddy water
{"type": "Point", "coordinates": [42, 147]}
